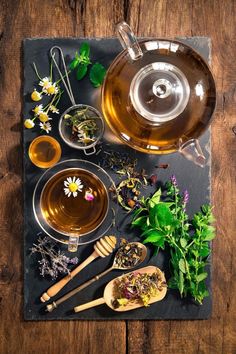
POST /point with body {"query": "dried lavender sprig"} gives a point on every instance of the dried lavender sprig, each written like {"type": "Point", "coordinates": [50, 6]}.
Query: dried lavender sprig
{"type": "Point", "coordinates": [52, 262]}
{"type": "Point", "coordinates": [174, 181]}
{"type": "Point", "coordinates": [185, 197]}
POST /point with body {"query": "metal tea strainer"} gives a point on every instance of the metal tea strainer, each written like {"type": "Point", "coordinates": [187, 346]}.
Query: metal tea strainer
{"type": "Point", "coordinates": [92, 113]}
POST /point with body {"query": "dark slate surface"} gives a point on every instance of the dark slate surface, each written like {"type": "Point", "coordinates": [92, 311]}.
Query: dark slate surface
{"type": "Point", "coordinates": [195, 179]}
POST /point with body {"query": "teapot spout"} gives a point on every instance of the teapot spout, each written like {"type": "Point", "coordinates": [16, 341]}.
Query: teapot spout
{"type": "Point", "coordinates": [192, 151]}
{"type": "Point", "coordinates": [128, 40]}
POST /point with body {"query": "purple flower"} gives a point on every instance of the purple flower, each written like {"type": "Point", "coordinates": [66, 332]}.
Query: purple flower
{"type": "Point", "coordinates": [74, 260]}
{"type": "Point", "coordinates": [185, 197]}
{"type": "Point", "coordinates": [89, 195]}
{"type": "Point", "coordinates": [173, 181]}
{"type": "Point", "coordinates": [53, 261]}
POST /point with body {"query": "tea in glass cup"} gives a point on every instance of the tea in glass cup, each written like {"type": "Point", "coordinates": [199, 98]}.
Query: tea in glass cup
{"type": "Point", "coordinates": [44, 151]}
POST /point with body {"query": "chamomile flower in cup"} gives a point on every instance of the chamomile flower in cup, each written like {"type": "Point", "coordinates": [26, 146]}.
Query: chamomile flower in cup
{"type": "Point", "coordinates": [72, 185]}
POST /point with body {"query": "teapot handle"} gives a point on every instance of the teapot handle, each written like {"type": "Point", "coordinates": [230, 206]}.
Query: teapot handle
{"type": "Point", "coordinates": [128, 40]}
{"type": "Point", "coordinates": [192, 151]}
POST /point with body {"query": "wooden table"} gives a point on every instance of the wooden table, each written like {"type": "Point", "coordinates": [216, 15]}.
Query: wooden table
{"type": "Point", "coordinates": [161, 18]}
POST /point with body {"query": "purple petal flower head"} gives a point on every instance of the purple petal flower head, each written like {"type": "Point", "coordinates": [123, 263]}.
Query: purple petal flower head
{"type": "Point", "coordinates": [74, 260]}
{"type": "Point", "coordinates": [89, 195]}
{"type": "Point", "coordinates": [173, 181]}
{"type": "Point", "coordinates": [185, 197]}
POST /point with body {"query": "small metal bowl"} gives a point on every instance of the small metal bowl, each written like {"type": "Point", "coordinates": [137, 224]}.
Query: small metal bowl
{"type": "Point", "coordinates": [65, 131]}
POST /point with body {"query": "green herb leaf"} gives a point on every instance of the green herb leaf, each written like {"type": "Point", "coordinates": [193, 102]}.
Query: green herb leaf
{"type": "Point", "coordinates": [81, 71]}
{"type": "Point", "coordinates": [73, 64]}
{"type": "Point", "coordinates": [209, 233]}
{"type": "Point", "coordinates": [201, 277]}
{"type": "Point", "coordinates": [155, 198]}
{"type": "Point", "coordinates": [160, 243]}
{"type": "Point", "coordinates": [172, 283]}
{"type": "Point", "coordinates": [160, 215]}
{"type": "Point", "coordinates": [97, 74]}
{"type": "Point", "coordinates": [137, 212]}
{"type": "Point", "coordinates": [182, 265]}
{"type": "Point", "coordinates": [153, 236]}
{"type": "Point", "coordinates": [204, 251]}
{"type": "Point", "coordinates": [181, 283]}
{"type": "Point", "coordinates": [146, 232]}
{"type": "Point", "coordinates": [183, 242]}
{"type": "Point", "coordinates": [140, 221]}
{"type": "Point", "coordinates": [84, 49]}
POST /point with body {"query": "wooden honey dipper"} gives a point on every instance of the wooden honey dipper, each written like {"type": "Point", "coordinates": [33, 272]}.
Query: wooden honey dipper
{"type": "Point", "coordinates": [102, 248]}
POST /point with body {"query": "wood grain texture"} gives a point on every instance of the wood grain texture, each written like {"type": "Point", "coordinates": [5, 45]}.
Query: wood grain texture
{"type": "Point", "coordinates": [164, 18]}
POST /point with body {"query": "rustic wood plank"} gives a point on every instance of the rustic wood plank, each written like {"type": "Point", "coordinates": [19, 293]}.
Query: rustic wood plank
{"type": "Point", "coordinates": [217, 20]}
{"type": "Point", "coordinates": [19, 19]}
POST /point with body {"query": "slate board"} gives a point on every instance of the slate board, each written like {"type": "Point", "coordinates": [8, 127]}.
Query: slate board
{"type": "Point", "coordinates": [195, 179]}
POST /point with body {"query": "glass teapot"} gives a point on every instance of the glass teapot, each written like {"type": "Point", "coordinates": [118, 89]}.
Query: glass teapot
{"type": "Point", "coordinates": [158, 96]}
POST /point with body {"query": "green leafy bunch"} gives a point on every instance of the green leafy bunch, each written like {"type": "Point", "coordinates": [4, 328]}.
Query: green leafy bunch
{"type": "Point", "coordinates": [80, 63]}
{"type": "Point", "coordinates": [164, 223]}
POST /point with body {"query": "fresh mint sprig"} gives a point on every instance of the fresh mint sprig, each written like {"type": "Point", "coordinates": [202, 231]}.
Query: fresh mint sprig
{"type": "Point", "coordinates": [80, 64]}
{"type": "Point", "coordinates": [164, 222]}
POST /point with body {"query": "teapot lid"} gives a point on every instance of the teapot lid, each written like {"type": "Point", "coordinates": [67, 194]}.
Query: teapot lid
{"type": "Point", "coordinates": [159, 92]}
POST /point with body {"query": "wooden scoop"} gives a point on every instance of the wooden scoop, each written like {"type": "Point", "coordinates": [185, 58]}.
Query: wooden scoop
{"type": "Point", "coordinates": [102, 248]}
{"type": "Point", "coordinates": [54, 304]}
{"type": "Point", "coordinates": [108, 295]}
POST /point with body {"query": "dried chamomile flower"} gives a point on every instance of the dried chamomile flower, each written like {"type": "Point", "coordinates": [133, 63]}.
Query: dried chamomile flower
{"type": "Point", "coordinates": [36, 96]}
{"type": "Point", "coordinates": [46, 126]}
{"type": "Point", "coordinates": [51, 90]}
{"type": "Point", "coordinates": [54, 109]}
{"type": "Point", "coordinates": [43, 117]}
{"type": "Point", "coordinates": [38, 109]}
{"type": "Point", "coordinates": [45, 83]}
{"type": "Point", "coordinates": [28, 123]}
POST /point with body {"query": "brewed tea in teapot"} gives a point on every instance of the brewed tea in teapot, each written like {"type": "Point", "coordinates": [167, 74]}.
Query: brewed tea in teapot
{"type": "Point", "coordinates": [158, 96]}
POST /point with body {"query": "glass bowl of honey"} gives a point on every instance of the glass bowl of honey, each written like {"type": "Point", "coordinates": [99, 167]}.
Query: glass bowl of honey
{"type": "Point", "coordinates": [44, 151]}
{"type": "Point", "coordinates": [73, 202]}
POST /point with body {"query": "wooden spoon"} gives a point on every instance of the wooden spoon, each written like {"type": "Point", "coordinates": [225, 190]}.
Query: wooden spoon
{"type": "Point", "coordinates": [102, 248]}
{"type": "Point", "coordinates": [55, 304]}
{"type": "Point", "coordinates": [108, 295]}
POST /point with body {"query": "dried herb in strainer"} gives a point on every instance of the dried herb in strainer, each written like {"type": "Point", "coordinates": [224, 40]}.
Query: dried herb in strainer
{"type": "Point", "coordinates": [83, 126]}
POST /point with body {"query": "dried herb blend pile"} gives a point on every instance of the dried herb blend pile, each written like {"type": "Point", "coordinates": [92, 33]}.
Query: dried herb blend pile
{"type": "Point", "coordinates": [83, 126]}
{"type": "Point", "coordinates": [128, 255]}
{"type": "Point", "coordinates": [135, 287]}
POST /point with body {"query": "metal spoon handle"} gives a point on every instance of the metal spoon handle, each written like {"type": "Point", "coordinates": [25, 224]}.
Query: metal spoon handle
{"type": "Point", "coordinates": [66, 84]}
{"type": "Point", "coordinates": [55, 304]}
